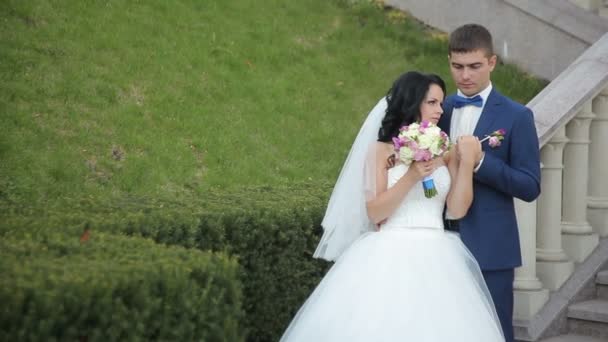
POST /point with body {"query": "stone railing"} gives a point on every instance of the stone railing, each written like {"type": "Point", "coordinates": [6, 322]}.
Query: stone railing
{"type": "Point", "coordinates": [563, 226]}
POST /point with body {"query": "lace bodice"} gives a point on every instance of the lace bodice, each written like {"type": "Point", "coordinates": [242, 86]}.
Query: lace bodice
{"type": "Point", "coordinates": [417, 211]}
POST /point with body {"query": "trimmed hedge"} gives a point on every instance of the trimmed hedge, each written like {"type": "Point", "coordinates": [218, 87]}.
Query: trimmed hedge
{"type": "Point", "coordinates": [273, 231]}
{"type": "Point", "coordinates": [114, 288]}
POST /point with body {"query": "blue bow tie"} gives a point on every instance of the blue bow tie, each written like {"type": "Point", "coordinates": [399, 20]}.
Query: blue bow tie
{"type": "Point", "coordinates": [460, 101]}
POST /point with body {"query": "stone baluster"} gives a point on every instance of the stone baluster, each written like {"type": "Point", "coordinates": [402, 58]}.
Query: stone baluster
{"type": "Point", "coordinates": [553, 265]}
{"type": "Point", "coordinates": [578, 238]}
{"type": "Point", "coordinates": [529, 293]}
{"type": "Point", "coordinates": [597, 211]}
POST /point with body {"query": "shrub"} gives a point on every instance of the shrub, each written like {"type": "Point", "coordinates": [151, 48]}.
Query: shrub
{"type": "Point", "coordinates": [272, 231]}
{"type": "Point", "coordinates": [112, 288]}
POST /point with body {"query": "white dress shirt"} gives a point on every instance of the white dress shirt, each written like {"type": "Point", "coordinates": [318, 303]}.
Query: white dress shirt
{"type": "Point", "coordinates": [464, 119]}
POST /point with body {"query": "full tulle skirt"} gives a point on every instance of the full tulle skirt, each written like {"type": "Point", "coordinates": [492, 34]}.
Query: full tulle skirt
{"type": "Point", "coordinates": [414, 284]}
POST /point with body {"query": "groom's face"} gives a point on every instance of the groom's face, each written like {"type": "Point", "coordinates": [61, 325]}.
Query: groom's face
{"type": "Point", "coordinates": [471, 70]}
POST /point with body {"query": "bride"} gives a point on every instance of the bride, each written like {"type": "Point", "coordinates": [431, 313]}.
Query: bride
{"type": "Point", "coordinates": [398, 276]}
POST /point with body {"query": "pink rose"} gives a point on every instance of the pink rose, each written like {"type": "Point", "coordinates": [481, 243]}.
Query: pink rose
{"type": "Point", "coordinates": [494, 142]}
{"type": "Point", "coordinates": [422, 155]}
{"type": "Point", "coordinates": [398, 143]}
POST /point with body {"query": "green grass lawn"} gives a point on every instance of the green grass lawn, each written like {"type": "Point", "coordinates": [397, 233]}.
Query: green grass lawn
{"type": "Point", "coordinates": [168, 98]}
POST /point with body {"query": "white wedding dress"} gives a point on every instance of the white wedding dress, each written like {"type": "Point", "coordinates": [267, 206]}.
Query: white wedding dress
{"type": "Point", "coordinates": [410, 281]}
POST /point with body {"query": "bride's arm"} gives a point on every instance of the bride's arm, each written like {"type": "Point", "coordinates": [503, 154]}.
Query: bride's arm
{"type": "Point", "coordinates": [461, 168]}
{"type": "Point", "coordinates": [387, 200]}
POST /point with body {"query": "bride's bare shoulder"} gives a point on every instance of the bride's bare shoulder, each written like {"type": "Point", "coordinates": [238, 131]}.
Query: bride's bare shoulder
{"type": "Point", "coordinates": [383, 149]}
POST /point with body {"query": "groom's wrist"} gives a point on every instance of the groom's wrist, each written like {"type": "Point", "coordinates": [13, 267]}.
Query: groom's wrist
{"type": "Point", "coordinates": [478, 165]}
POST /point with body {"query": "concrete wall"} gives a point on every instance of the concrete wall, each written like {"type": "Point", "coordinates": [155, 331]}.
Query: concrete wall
{"type": "Point", "coordinates": [541, 36]}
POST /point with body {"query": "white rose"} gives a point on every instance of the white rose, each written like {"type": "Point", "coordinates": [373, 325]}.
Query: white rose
{"type": "Point", "coordinates": [434, 131]}
{"type": "Point", "coordinates": [406, 155]}
{"type": "Point", "coordinates": [425, 141]}
{"type": "Point", "coordinates": [435, 149]}
{"type": "Point", "coordinates": [412, 133]}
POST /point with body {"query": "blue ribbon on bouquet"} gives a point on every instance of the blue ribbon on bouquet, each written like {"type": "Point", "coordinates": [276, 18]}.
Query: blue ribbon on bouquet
{"type": "Point", "coordinates": [429, 187]}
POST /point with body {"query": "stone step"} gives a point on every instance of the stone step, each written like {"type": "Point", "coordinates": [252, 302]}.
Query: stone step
{"type": "Point", "coordinates": [588, 328]}
{"type": "Point", "coordinates": [602, 292]}
{"type": "Point", "coordinates": [602, 278]}
{"type": "Point", "coordinates": [589, 318]}
{"type": "Point", "coordinates": [595, 310]}
{"type": "Point", "coordinates": [572, 338]}
{"type": "Point", "coordinates": [602, 285]}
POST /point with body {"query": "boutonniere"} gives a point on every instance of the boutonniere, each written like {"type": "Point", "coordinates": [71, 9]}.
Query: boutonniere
{"type": "Point", "coordinates": [495, 138]}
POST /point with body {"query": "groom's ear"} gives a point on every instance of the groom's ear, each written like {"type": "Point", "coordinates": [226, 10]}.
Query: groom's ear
{"type": "Point", "coordinates": [492, 62]}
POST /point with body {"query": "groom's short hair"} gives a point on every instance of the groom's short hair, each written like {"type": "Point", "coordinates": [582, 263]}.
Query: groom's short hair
{"type": "Point", "coordinates": [471, 37]}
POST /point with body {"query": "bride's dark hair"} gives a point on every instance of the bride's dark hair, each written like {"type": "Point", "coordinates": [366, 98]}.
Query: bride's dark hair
{"type": "Point", "coordinates": [404, 100]}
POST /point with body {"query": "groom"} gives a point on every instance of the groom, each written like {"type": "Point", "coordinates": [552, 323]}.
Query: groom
{"type": "Point", "coordinates": [512, 169]}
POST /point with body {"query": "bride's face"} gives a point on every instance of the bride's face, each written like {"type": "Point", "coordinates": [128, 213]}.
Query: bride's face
{"type": "Point", "coordinates": [430, 109]}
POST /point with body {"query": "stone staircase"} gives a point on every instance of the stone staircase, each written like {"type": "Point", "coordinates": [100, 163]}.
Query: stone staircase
{"type": "Point", "coordinates": [586, 320]}
{"type": "Point", "coordinates": [574, 338]}
{"type": "Point", "coordinates": [599, 7]}
{"type": "Point", "coordinates": [585, 299]}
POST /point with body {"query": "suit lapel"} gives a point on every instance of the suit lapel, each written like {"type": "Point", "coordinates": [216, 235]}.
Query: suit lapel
{"type": "Point", "coordinates": [488, 115]}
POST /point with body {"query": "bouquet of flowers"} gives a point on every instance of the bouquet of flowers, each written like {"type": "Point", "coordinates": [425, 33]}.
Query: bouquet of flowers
{"type": "Point", "coordinates": [421, 142]}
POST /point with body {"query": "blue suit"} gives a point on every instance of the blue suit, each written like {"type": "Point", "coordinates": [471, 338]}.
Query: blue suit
{"type": "Point", "coordinates": [489, 229]}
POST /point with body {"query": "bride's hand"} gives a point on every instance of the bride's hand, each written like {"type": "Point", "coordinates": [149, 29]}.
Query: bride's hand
{"type": "Point", "coordinates": [421, 169]}
{"type": "Point", "coordinates": [469, 149]}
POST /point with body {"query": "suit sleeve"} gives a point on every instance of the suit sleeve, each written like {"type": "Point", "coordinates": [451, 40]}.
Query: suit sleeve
{"type": "Point", "coordinates": [521, 176]}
